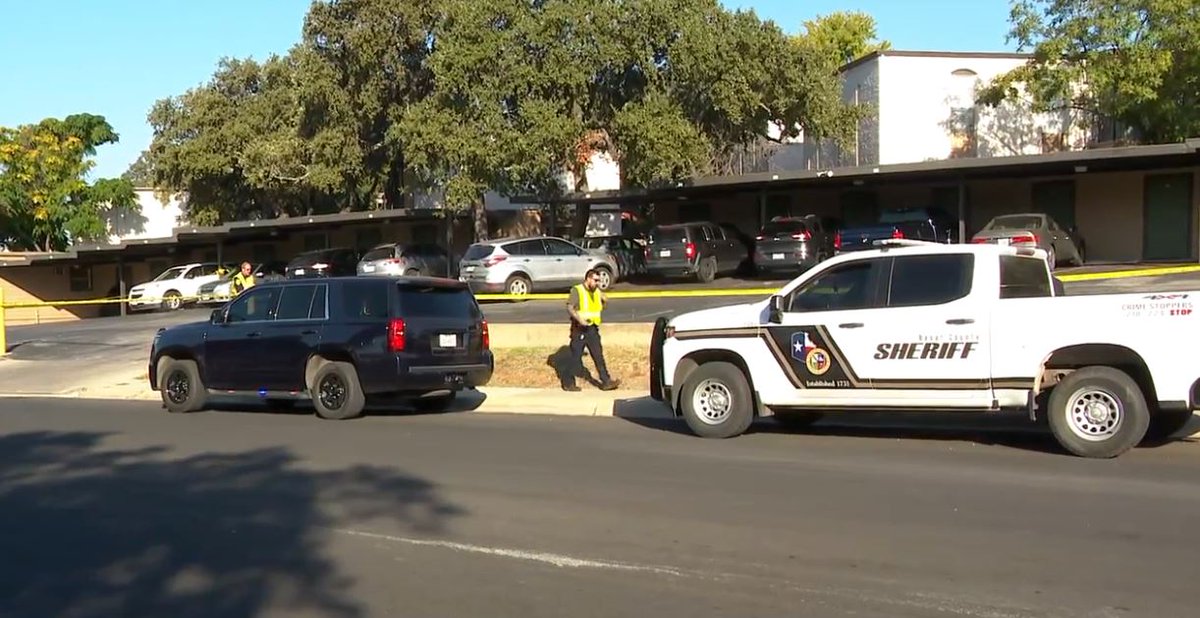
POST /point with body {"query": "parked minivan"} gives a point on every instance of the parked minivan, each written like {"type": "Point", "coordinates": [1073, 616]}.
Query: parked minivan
{"type": "Point", "coordinates": [702, 250]}
{"type": "Point", "coordinates": [518, 266]}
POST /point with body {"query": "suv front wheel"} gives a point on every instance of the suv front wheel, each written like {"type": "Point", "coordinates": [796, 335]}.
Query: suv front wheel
{"type": "Point", "coordinates": [335, 391]}
{"type": "Point", "coordinates": [716, 401]}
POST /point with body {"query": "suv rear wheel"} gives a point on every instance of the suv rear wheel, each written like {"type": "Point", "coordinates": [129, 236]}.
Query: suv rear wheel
{"type": "Point", "coordinates": [706, 270]}
{"type": "Point", "coordinates": [335, 391]}
{"type": "Point", "coordinates": [1098, 412]}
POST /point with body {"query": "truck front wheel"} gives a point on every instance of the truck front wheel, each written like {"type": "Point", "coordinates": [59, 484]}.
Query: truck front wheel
{"type": "Point", "coordinates": [1098, 412]}
{"type": "Point", "coordinates": [716, 401]}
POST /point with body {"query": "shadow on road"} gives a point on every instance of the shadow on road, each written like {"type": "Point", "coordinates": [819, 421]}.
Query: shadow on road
{"type": "Point", "coordinates": [90, 531]}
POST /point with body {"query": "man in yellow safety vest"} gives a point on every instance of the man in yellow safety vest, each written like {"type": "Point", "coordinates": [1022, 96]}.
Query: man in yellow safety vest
{"type": "Point", "coordinates": [243, 280]}
{"type": "Point", "coordinates": [585, 305]}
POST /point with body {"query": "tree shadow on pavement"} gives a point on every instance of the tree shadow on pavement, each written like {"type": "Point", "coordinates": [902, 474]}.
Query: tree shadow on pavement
{"type": "Point", "coordinates": [91, 531]}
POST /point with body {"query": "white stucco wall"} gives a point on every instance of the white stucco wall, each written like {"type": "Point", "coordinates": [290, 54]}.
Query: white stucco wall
{"type": "Point", "coordinates": [151, 219]}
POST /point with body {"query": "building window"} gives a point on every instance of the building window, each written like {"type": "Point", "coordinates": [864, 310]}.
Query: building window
{"type": "Point", "coordinates": [313, 242]}
{"type": "Point", "coordinates": [81, 278]}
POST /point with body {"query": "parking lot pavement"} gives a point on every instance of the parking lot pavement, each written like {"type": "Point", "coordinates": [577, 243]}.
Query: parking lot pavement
{"type": "Point", "coordinates": [118, 508]}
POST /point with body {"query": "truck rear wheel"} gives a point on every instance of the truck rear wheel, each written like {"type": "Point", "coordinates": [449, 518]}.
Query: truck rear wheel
{"type": "Point", "coordinates": [716, 401]}
{"type": "Point", "coordinates": [1098, 412]}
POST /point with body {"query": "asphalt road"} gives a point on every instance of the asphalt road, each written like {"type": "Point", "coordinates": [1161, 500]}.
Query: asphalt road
{"type": "Point", "coordinates": [119, 509]}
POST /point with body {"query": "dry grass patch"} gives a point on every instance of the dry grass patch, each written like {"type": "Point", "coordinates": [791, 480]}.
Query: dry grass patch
{"type": "Point", "coordinates": [535, 367]}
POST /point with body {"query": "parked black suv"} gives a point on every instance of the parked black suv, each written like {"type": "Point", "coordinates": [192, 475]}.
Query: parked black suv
{"type": "Point", "coordinates": [702, 250]}
{"type": "Point", "coordinates": [336, 262]}
{"type": "Point", "coordinates": [792, 243]}
{"type": "Point", "coordinates": [336, 341]}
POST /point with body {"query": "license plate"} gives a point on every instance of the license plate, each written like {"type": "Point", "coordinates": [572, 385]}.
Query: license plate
{"type": "Point", "coordinates": [1002, 241]}
{"type": "Point", "coordinates": [776, 256]}
{"type": "Point", "coordinates": [468, 269]}
{"type": "Point", "coordinates": [448, 341]}
{"type": "Point", "coordinates": [299, 271]}
{"type": "Point", "coordinates": [368, 268]}
{"type": "Point", "coordinates": [664, 253]}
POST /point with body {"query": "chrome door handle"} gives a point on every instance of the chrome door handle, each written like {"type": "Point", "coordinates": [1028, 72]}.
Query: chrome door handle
{"type": "Point", "coordinates": [958, 321]}
{"type": "Point", "coordinates": [851, 325]}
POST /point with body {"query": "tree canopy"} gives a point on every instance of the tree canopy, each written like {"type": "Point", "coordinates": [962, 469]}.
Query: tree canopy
{"type": "Point", "coordinates": [45, 201]}
{"type": "Point", "coordinates": [1134, 61]}
{"type": "Point", "coordinates": [383, 98]}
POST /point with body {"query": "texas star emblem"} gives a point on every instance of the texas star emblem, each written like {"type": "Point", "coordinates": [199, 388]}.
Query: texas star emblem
{"type": "Point", "coordinates": [801, 344]}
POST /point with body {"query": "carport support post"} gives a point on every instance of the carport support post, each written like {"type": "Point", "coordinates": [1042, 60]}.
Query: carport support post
{"type": "Point", "coordinates": [762, 209]}
{"type": "Point", "coordinates": [121, 285]}
{"type": "Point", "coordinates": [962, 210]}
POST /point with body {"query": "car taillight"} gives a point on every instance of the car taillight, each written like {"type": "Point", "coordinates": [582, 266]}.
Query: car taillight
{"type": "Point", "coordinates": [1028, 238]}
{"type": "Point", "coordinates": [837, 240]}
{"type": "Point", "coordinates": [495, 259]}
{"type": "Point", "coordinates": [801, 236]}
{"type": "Point", "coordinates": [487, 336]}
{"type": "Point", "coordinates": [396, 334]}
{"type": "Point", "coordinates": [979, 241]}
{"type": "Point", "coordinates": [897, 234]}
{"type": "Point", "coordinates": [690, 250]}
{"type": "Point", "coordinates": [759, 237]}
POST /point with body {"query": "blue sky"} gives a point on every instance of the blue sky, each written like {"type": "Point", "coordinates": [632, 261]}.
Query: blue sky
{"type": "Point", "coordinates": [115, 58]}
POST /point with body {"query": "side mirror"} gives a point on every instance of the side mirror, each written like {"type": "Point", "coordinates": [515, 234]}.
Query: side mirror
{"type": "Point", "coordinates": [775, 310]}
{"type": "Point", "coordinates": [217, 317]}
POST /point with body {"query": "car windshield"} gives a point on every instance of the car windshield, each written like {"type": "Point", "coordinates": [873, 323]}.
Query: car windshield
{"type": "Point", "coordinates": [171, 273]}
{"type": "Point", "coordinates": [382, 253]}
{"type": "Point", "coordinates": [1018, 222]}
{"type": "Point", "coordinates": [669, 235]}
{"type": "Point", "coordinates": [478, 252]}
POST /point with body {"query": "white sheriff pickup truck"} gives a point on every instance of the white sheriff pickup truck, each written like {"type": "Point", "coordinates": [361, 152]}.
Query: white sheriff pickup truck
{"type": "Point", "coordinates": [918, 326]}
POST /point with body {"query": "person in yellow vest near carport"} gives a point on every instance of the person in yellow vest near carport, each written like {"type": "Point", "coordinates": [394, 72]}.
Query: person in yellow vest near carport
{"type": "Point", "coordinates": [585, 305]}
{"type": "Point", "coordinates": [243, 280]}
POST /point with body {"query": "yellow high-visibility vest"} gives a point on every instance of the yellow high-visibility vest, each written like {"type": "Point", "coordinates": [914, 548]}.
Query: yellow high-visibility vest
{"type": "Point", "coordinates": [589, 305]}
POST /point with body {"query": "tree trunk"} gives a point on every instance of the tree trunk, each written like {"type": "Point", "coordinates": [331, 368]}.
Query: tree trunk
{"type": "Point", "coordinates": [479, 210]}
{"type": "Point", "coordinates": [449, 219]}
{"type": "Point", "coordinates": [393, 189]}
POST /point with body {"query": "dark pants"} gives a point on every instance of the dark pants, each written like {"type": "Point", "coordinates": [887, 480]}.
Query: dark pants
{"type": "Point", "coordinates": [588, 336]}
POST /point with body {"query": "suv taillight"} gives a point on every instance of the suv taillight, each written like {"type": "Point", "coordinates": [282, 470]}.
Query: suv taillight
{"type": "Point", "coordinates": [801, 236]}
{"type": "Point", "coordinates": [487, 337]}
{"type": "Point", "coordinates": [837, 240]}
{"type": "Point", "coordinates": [897, 233]}
{"type": "Point", "coordinates": [396, 334]}
{"type": "Point", "coordinates": [690, 250]}
{"type": "Point", "coordinates": [493, 260]}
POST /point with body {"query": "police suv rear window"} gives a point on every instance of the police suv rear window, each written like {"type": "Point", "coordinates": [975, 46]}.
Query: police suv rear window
{"type": "Point", "coordinates": [1023, 277]}
{"type": "Point", "coordinates": [436, 302]}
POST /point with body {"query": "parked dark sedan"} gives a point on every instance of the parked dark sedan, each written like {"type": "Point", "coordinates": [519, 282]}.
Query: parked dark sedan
{"type": "Point", "coordinates": [336, 341]}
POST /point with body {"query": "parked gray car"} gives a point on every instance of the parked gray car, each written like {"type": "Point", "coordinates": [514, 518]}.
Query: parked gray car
{"type": "Point", "coordinates": [411, 260]}
{"type": "Point", "coordinates": [523, 265]}
{"type": "Point", "coordinates": [1036, 230]}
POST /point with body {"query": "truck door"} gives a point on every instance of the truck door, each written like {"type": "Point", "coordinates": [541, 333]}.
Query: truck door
{"type": "Point", "coordinates": [933, 349]}
{"type": "Point", "coordinates": [825, 337]}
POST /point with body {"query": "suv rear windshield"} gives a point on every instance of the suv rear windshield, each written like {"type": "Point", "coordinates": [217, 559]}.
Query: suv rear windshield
{"type": "Point", "coordinates": [669, 235]}
{"type": "Point", "coordinates": [784, 227]}
{"type": "Point", "coordinates": [1023, 277]}
{"type": "Point", "coordinates": [381, 253]}
{"type": "Point", "coordinates": [435, 301]}
{"type": "Point", "coordinates": [478, 252]}
{"type": "Point", "coordinates": [306, 259]}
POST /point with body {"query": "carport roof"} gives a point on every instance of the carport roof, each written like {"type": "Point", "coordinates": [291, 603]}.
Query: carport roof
{"type": "Point", "coordinates": [1122, 158]}
{"type": "Point", "coordinates": [192, 235]}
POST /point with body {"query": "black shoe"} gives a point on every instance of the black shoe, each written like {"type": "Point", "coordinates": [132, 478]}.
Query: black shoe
{"type": "Point", "coordinates": [571, 388]}
{"type": "Point", "coordinates": [611, 385]}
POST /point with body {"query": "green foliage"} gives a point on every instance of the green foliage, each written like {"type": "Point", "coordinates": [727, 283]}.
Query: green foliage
{"type": "Point", "coordinates": [844, 36]}
{"type": "Point", "coordinates": [1136, 61]}
{"type": "Point", "coordinates": [387, 97]}
{"type": "Point", "coordinates": [45, 203]}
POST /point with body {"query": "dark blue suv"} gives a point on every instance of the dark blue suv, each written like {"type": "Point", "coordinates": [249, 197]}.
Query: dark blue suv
{"type": "Point", "coordinates": [337, 341]}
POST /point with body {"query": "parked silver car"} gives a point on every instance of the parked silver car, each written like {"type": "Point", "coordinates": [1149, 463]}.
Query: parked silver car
{"type": "Point", "coordinates": [1034, 230]}
{"type": "Point", "coordinates": [521, 265]}
{"type": "Point", "coordinates": [396, 259]}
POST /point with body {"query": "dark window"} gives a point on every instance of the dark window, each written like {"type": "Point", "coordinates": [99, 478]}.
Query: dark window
{"type": "Point", "coordinates": [1023, 277]}
{"type": "Point", "coordinates": [527, 247]}
{"type": "Point", "coordinates": [295, 302]}
{"type": "Point", "coordinates": [930, 279]}
{"type": "Point", "coordinates": [558, 247]}
{"type": "Point", "coordinates": [256, 305]}
{"type": "Point", "coordinates": [783, 227]}
{"type": "Point", "coordinates": [849, 286]}
{"type": "Point", "coordinates": [364, 299]}
{"type": "Point", "coordinates": [379, 253]}
{"type": "Point", "coordinates": [318, 310]}
{"type": "Point", "coordinates": [478, 252]}
{"type": "Point", "coordinates": [667, 236]}
{"type": "Point", "coordinates": [436, 302]}
{"type": "Point", "coordinates": [81, 279]}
